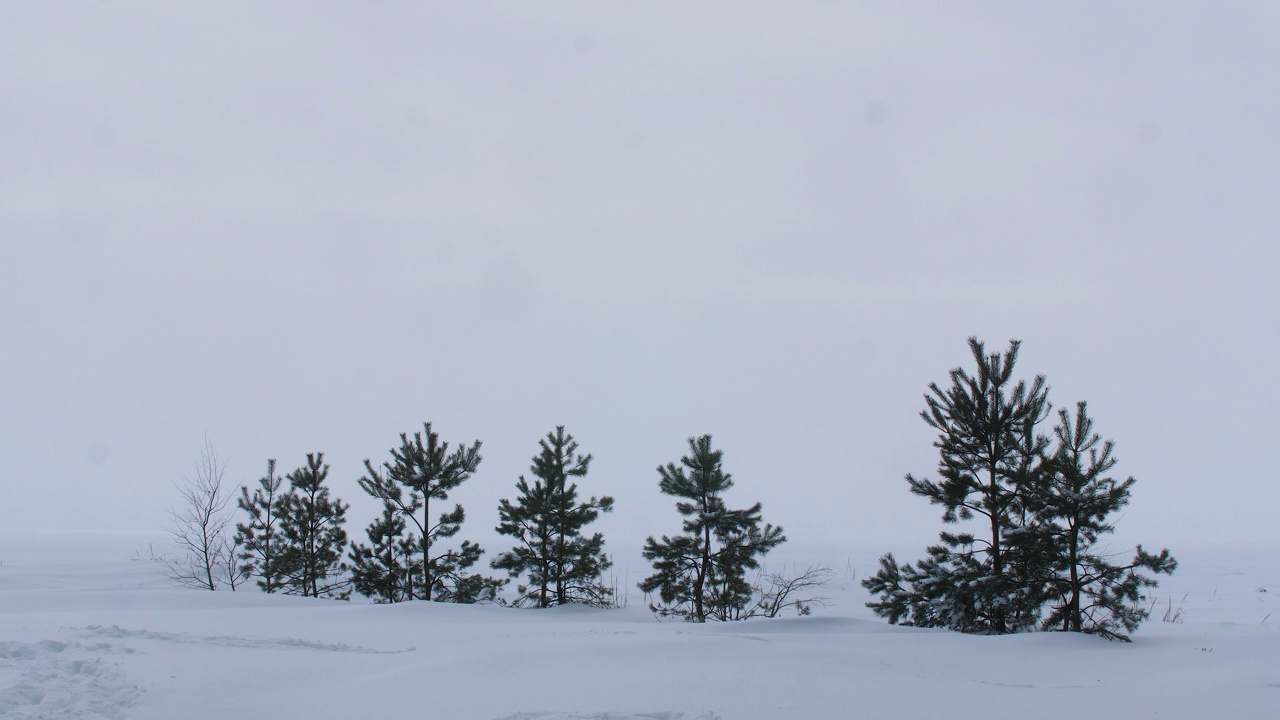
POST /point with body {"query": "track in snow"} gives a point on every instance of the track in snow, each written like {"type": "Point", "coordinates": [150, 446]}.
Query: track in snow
{"type": "Point", "coordinates": [53, 680]}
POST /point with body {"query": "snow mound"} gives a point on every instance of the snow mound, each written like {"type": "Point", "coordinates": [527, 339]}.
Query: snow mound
{"type": "Point", "coordinates": [51, 680]}
{"type": "Point", "coordinates": [665, 715]}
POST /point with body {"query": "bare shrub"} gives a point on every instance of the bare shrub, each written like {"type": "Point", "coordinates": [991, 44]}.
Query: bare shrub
{"type": "Point", "coordinates": [777, 591]}
{"type": "Point", "coordinates": [205, 555]}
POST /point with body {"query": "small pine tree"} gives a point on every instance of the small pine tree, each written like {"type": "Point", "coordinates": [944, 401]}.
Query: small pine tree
{"type": "Point", "coordinates": [419, 473]}
{"type": "Point", "coordinates": [701, 574]}
{"type": "Point", "coordinates": [547, 520]}
{"type": "Point", "coordinates": [311, 525]}
{"type": "Point", "coordinates": [1093, 595]}
{"type": "Point", "coordinates": [384, 570]}
{"type": "Point", "coordinates": [260, 539]}
{"type": "Point", "coordinates": [938, 591]}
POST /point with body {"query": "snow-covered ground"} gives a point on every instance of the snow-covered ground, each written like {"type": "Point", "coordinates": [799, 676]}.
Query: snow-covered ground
{"type": "Point", "coordinates": [115, 639]}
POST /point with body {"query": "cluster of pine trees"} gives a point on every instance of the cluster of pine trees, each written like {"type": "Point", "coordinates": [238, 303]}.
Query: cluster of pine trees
{"type": "Point", "coordinates": [1037, 504]}
{"type": "Point", "coordinates": [1042, 503]}
{"type": "Point", "coordinates": [293, 539]}
{"type": "Point", "coordinates": [405, 560]}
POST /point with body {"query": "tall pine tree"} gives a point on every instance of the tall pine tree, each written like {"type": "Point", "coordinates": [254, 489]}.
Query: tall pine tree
{"type": "Point", "coordinates": [701, 574]}
{"type": "Point", "coordinates": [547, 520]}
{"type": "Point", "coordinates": [311, 524]}
{"type": "Point", "coordinates": [422, 470]}
{"type": "Point", "coordinates": [991, 458]}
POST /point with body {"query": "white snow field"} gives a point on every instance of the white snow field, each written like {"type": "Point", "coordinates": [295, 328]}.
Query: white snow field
{"type": "Point", "coordinates": [116, 639]}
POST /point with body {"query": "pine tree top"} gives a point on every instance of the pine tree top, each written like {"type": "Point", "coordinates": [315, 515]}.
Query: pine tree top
{"type": "Point", "coordinates": [424, 465]}
{"type": "Point", "coordinates": [705, 480]}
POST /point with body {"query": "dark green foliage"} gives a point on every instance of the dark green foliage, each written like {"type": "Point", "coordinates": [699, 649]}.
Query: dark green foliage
{"type": "Point", "coordinates": [311, 525]}
{"type": "Point", "coordinates": [260, 539]}
{"type": "Point", "coordinates": [547, 520]}
{"type": "Point", "coordinates": [418, 473]}
{"type": "Point", "coordinates": [701, 574]}
{"type": "Point", "coordinates": [529, 522]}
{"type": "Point", "coordinates": [1090, 593]}
{"type": "Point", "coordinates": [384, 570]}
{"type": "Point", "coordinates": [1040, 513]}
{"type": "Point", "coordinates": [453, 582]}
{"type": "Point", "coordinates": [942, 590]}
{"type": "Point", "coordinates": [990, 455]}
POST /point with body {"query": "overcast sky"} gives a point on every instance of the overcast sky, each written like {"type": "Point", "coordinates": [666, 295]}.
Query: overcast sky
{"type": "Point", "coordinates": [297, 227]}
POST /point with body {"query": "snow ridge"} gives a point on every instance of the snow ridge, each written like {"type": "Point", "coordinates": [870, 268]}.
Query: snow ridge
{"type": "Point", "coordinates": [115, 631]}
{"type": "Point", "coordinates": [664, 715]}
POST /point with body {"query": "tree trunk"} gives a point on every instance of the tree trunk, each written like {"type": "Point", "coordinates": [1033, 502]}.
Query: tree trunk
{"type": "Point", "coordinates": [1073, 610]}
{"type": "Point", "coordinates": [426, 546]}
{"type": "Point", "coordinates": [699, 582]}
{"type": "Point", "coordinates": [997, 559]}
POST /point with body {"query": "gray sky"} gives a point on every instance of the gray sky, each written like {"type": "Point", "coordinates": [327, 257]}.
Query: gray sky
{"type": "Point", "coordinates": [302, 227]}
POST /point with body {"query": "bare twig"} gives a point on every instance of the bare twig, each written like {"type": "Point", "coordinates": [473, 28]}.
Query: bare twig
{"type": "Point", "coordinates": [776, 592]}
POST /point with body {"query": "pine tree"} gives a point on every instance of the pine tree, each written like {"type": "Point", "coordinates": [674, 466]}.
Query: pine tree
{"type": "Point", "coordinates": [701, 574]}
{"type": "Point", "coordinates": [991, 460]}
{"type": "Point", "coordinates": [530, 522]}
{"type": "Point", "coordinates": [547, 520]}
{"type": "Point", "coordinates": [311, 525]}
{"type": "Point", "coordinates": [1092, 595]}
{"type": "Point", "coordinates": [419, 473]}
{"type": "Point", "coordinates": [384, 570]}
{"type": "Point", "coordinates": [1045, 512]}
{"type": "Point", "coordinates": [260, 538]}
